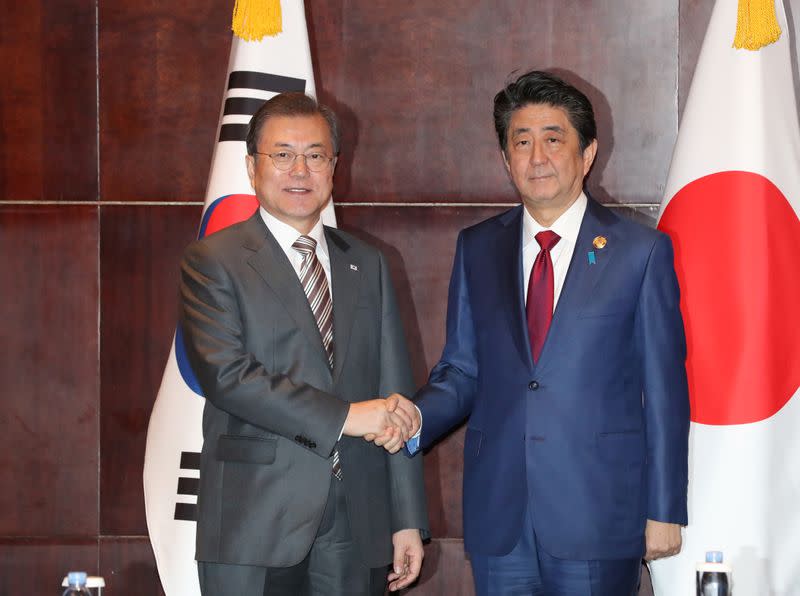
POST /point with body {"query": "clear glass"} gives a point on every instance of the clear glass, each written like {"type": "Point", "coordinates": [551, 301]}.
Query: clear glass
{"type": "Point", "coordinates": [284, 160]}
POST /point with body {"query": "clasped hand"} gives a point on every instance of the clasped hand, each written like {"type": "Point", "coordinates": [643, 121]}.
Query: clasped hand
{"type": "Point", "coordinates": [389, 422]}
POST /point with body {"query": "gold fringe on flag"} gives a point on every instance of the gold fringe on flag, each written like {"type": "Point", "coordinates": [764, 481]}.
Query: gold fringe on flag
{"type": "Point", "coordinates": [253, 19]}
{"type": "Point", "coordinates": [756, 25]}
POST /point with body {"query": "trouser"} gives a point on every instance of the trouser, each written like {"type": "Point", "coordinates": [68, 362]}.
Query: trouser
{"type": "Point", "coordinates": [530, 571]}
{"type": "Point", "coordinates": [332, 567]}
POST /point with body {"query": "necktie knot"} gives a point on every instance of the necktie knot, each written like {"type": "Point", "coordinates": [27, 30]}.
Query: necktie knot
{"type": "Point", "coordinates": [305, 245]}
{"type": "Point", "coordinates": [547, 239]}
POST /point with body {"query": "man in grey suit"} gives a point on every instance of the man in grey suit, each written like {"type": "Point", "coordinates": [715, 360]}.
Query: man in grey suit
{"type": "Point", "coordinates": [292, 329]}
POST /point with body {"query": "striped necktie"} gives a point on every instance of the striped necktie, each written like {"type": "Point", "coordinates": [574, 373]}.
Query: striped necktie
{"type": "Point", "coordinates": [315, 285]}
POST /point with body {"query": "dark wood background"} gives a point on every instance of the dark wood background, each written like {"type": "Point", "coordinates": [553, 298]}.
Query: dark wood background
{"type": "Point", "coordinates": [108, 113]}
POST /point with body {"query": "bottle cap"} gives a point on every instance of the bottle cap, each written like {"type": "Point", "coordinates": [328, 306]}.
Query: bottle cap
{"type": "Point", "coordinates": [76, 578]}
{"type": "Point", "coordinates": [714, 556]}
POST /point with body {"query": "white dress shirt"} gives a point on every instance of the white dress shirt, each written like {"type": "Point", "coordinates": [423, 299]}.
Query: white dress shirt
{"type": "Point", "coordinates": [567, 227]}
{"type": "Point", "coordinates": [286, 236]}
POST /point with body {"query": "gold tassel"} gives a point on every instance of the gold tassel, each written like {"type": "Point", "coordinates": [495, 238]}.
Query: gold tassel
{"type": "Point", "coordinates": [253, 19]}
{"type": "Point", "coordinates": [756, 24]}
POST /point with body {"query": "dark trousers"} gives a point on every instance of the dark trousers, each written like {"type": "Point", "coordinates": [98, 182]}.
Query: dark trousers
{"type": "Point", "coordinates": [332, 567]}
{"type": "Point", "coordinates": [529, 571]}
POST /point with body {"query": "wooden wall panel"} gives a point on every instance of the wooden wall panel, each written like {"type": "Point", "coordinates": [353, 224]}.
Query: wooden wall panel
{"type": "Point", "coordinates": [693, 22]}
{"type": "Point", "coordinates": [48, 101]}
{"type": "Point", "coordinates": [162, 71]}
{"type": "Point", "coordinates": [445, 570]}
{"type": "Point", "coordinates": [48, 375]}
{"type": "Point", "coordinates": [415, 81]}
{"type": "Point", "coordinates": [139, 256]}
{"type": "Point", "coordinates": [419, 243]}
{"type": "Point", "coordinates": [39, 566]}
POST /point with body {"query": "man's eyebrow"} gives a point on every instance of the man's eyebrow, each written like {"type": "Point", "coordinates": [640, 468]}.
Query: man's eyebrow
{"type": "Point", "coordinates": [291, 146]}
{"type": "Point", "coordinates": [549, 128]}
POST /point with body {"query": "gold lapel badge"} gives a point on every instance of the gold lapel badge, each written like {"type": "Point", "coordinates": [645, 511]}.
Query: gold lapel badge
{"type": "Point", "coordinates": [599, 242]}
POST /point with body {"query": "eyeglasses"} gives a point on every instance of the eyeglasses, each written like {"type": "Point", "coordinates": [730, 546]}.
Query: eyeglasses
{"type": "Point", "coordinates": [284, 160]}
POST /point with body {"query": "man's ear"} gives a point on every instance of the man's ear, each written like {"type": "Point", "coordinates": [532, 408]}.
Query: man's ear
{"type": "Point", "coordinates": [505, 161]}
{"type": "Point", "coordinates": [588, 156]}
{"type": "Point", "coordinates": [250, 162]}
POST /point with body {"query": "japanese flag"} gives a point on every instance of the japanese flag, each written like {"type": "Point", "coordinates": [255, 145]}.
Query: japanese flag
{"type": "Point", "coordinates": [731, 206]}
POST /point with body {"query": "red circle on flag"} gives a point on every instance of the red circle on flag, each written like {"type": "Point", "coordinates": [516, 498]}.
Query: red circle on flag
{"type": "Point", "coordinates": [229, 210]}
{"type": "Point", "coordinates": [737, 256]}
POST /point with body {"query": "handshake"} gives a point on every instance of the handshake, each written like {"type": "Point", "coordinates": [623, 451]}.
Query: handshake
{"type": "Point", "coordinates": [388, 423]}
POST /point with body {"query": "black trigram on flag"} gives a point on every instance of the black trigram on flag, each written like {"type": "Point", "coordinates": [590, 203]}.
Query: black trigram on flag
{"type": "Point", "coordinates": [247, 106]}
{"type": "Point", "coordinates": [187, 485]}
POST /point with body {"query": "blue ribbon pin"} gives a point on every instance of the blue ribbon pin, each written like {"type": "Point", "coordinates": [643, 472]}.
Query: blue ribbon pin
{"type": "Point", "coordinates": [592, 258]}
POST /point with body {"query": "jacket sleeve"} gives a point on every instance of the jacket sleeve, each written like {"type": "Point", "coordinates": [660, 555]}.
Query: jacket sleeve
{"type": "Point", "coordinates": [409, 508]}
{"type": "Point", "coordinates": [661, 345]}
{"type": "Point", "coordinates": [448, 397]}
{"type": "Point", "coordinates": [232, 379]}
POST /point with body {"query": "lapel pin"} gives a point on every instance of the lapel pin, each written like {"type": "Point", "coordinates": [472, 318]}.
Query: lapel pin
{"type": "Point", "coordinates": [592, 258]}
{"type": "Point", "coordinates": [353, 267]}
{"type": "Point", "coordinates": [599, 242]}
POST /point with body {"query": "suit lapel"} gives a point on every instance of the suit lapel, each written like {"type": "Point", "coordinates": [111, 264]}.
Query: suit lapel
{"type": "Point", "coordinates": [270, 262]}
{"type": "Point", "coordinates": [346, 281]}
{"type": "Point", "coordinates": [582, 275]}
{"type": "Point", "coordinates": [508, 249]}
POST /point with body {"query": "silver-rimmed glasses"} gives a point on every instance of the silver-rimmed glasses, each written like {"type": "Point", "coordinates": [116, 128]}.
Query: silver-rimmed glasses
{"type": "Point", "coordinates": [284, 160]}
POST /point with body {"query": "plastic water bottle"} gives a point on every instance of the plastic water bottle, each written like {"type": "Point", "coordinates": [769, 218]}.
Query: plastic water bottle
{"type": "Point", "coordinates": [76, 584]}
{"type": "Point", "coordinates": [713, 576]}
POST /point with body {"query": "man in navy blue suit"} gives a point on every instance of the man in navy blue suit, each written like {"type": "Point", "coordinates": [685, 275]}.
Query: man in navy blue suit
{"type": "Point", "coordinates": [565, 354]}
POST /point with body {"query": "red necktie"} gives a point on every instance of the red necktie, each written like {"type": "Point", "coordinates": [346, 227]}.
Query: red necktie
{"type": "Point", "coordinates": [539, 305]}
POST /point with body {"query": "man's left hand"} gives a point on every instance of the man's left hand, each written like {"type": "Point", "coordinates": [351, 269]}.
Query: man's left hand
{"type": "Point", "coordinates": [408, 554]}
{"type": "Point", "coordinates": [661, 539]}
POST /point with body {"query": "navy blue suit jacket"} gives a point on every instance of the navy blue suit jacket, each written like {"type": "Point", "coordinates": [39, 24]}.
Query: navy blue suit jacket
{"type": "Point", "coordinates": [594, 436]}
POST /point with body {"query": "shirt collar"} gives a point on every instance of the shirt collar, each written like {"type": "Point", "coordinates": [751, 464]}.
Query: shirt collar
{"type": "Point", "coordinates": [286, 234]}
{"type": "Point", "coordinates": [567, 226]}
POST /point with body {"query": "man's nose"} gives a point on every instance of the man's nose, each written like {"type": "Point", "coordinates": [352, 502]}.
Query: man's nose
{"type": "Point", "coordinates": [537, 153]}
{"type": "Point", "coordinates": [299, 166]}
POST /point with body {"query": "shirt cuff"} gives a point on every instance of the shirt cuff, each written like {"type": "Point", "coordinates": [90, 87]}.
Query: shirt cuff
{"type": "Point", "coordinates": [412, 445]}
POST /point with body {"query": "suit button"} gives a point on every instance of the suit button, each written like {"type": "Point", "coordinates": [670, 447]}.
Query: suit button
{"type": "Point", "coordinates": [312, 445]}
{"type": "Point", "coordinates": [533, 385]}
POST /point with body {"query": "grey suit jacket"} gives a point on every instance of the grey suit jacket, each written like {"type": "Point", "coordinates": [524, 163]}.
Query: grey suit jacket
{"type": "Point", "coordinates": [274, 409]}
